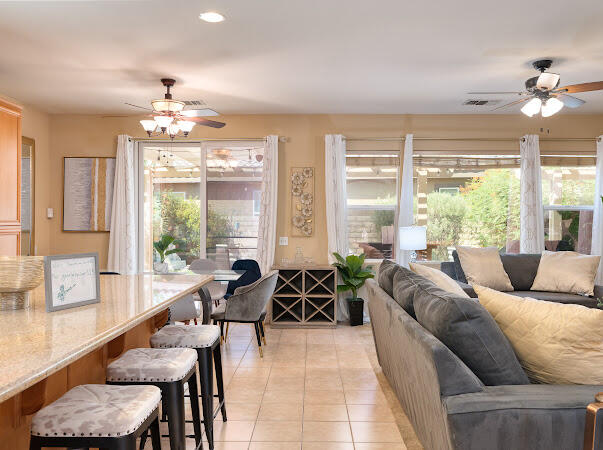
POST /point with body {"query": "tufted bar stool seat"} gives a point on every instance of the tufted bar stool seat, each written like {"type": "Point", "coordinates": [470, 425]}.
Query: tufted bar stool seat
{"type": "Point", "coordinates": [168, 369]}
{"type": "Point", "coordinates": [205, 339]}
{"type": "Point", "coordinates": [98, 415]}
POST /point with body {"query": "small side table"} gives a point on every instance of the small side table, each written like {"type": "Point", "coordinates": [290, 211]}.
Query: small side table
{"type": "Point", "coordinates": [591, 422]}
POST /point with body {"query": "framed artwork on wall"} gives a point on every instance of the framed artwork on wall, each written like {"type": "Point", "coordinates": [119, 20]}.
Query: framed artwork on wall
{"type": "Point", "coordinates": [87, 193]}
{"type": "Point", "coordinates": [302, 201]}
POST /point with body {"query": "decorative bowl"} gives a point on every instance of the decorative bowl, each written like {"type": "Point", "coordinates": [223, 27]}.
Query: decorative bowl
{"type": "Point", "coordinates": [18, 276]}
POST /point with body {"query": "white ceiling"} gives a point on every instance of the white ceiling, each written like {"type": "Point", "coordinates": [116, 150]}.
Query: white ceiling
{"type": "Point", "coordinates": [287, 56]}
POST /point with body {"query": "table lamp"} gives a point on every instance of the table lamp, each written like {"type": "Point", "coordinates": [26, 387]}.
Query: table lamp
{"type": "Point", "coordinates": [413, 238]}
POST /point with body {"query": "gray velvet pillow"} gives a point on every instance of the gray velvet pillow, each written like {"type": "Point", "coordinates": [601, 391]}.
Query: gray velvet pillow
{"type": "Point", "coordinates": [406, 283]}
{"type": "Point", "coordinates": [460, 273]}
{"type": "Point", "coordinates": [466, 328]}
{"type": "Point", "coordinates": [387, 270]}
{"type": "Point", "coordinates": [521, 268]}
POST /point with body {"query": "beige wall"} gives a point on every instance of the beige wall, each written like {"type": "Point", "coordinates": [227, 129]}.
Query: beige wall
{"type": "Point", "coordinates": [72, 135]}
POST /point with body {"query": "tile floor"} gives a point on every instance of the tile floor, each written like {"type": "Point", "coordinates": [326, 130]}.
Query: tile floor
{"type": "Point", "coordinates": [314, 389]}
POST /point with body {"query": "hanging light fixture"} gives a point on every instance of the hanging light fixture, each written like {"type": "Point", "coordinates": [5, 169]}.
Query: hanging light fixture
{"type": "Point", "coordinates": [532, 107]}
{"type": "Point", "coordinates": [552, 106]}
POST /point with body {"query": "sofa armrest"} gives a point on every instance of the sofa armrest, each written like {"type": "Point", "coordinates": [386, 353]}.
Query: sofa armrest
{"type": "Point", "coordinates": [468, 289]}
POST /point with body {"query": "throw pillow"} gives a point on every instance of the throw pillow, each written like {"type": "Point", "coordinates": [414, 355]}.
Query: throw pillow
{"type": "Point", "coordinates": [468, 330]}
{"type": "Point", "coordinates": [483, 266]}
{"type": "Point", "coordinates": [387, 270]}
{"type": "Point", "coordinates": [556, 343]}
{"type": "Point", "coordinates": [460, 275]}
{"type": "Point", "coordinates": [569, 272]}
{"type": "Point", "coordinates": [406, 283]}
{"type": "Point", "coordinates": [439, 278]}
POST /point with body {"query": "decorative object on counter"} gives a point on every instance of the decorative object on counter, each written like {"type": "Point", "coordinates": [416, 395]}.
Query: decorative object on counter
{"type": "Point", "coordinates": [71, 280]}
{"type": "Point", "coordinates": [87, 193]}
{"type": "Point", "coordinates": [305, 296]}
{"type": "Point", "coordinates": [18, 276]}
{"type": "Point", "coordinates": [353, 277]}
{"type": "Point", "coordinates": [302, 201]}
{"type": "Point", "coordinates": [162, 247]}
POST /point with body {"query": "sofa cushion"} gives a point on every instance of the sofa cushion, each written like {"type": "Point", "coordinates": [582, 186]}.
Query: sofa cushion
{"type": "Point", "coordinates": [483, 266]}
{"type": "Point", "coordinates": [406, 283]}
{"type": "Point", "coordinates": [460, 275]}
{"type": "Point", "coordinates": [387, 270]}
{"type": "Point", "coordinates": [466, 328]}
{"type": "Point", "coordinates": [556, 343]}
{"type": "Point", "coordinates": [558, 297]}
{"type": "Point", "coordinates": [440, 279]}
{"type": "Point", "coordinates": [521, 268]}
{"type": "Point", "coordinates": [566, 272]}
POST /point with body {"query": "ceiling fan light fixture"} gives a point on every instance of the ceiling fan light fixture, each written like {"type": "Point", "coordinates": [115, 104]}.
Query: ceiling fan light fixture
{"type": "Point", "coordinates": [149, 126]}
{"type": "Point", "coordinates": [163, 121]}
{"type": "Point", "coordinates": [167, 105]}
{"type": "Point", "coordinates": [173, 129]}
{"type": "Point", "coordinates": [211, 17]}
{"type": "Point", "coordinates": [547, 81]}
{"type": "Point", "coordinates": [532, 107]}
{"type": "Point", "coordinates": [186, 126]}
{"type": "Point", "coordinates": [552, 106]}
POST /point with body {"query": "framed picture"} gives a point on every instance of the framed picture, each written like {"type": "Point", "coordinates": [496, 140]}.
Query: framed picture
{"type": "Point", "coordinates": [87, 193]}
{"type": "Point", "coordinates": [71, 280]}
{"type": "Point", "coordinates": [302, 201]}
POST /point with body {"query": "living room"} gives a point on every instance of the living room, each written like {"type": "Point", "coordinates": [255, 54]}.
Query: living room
{"type": "Point", "coordinates": [283, 134]}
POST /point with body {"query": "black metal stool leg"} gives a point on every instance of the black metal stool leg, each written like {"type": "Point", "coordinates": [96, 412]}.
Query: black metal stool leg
{"type": "Point", "coordinates": [155, 436]}
{"type": "Point", "coordinates": [175, 411]}
{"type": "Point", "coordinates": [220, 380]}
{"type": "Point", "coordinates": [207, 391]}
{"type": "Point", "coordinates": [194, 399]}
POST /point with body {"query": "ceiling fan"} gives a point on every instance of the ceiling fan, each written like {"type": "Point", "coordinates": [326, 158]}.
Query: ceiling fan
{"type": "Point", "coordinates": [543, 94]}
{"type": "Point", "coordinates": [170, 117]}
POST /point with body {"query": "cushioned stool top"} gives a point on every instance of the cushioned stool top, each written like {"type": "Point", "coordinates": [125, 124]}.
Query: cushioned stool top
{"type": "Point", "coordinates": [152, 364]}
{"type": "Point", "coordinates": [97, 410]}
{"type": "Point", "coordinates": [192, 336]}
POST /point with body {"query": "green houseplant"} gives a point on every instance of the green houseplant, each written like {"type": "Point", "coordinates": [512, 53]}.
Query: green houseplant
{"type": "Point", "coordinates": [353, 277]}
{"type": "Point", "coordinates": [162, 247]}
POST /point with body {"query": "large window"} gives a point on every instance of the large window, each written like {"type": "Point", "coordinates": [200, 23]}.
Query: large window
{"type": "Point", "coordinates": [205, 196]}
{"type": "Point", "coordinates": [372, 185]}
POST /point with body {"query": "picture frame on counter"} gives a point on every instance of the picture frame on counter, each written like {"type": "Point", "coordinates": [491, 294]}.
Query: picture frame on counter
{"type": "Point", "coordinates": [71, 281]}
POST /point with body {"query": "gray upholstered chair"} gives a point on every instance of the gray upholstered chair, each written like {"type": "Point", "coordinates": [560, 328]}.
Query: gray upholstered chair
{"type": "Point", "coordinates": [248, 305]}
{"type": "Point", "coordinates": [215, 288]}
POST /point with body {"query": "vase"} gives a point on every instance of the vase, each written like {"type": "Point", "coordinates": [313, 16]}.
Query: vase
{"type": "Point", "coordinates": [160, 267]}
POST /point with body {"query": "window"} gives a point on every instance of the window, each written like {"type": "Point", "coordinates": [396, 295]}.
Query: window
{"type": "Point", "coordinates": [372, 185]}
{"type": "Point", "coordinates": [568, 191]}
{"type": "Point", "coordinates": [203, 195]}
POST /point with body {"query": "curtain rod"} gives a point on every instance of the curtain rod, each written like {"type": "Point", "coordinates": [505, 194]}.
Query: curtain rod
{"type": "Point", "coordinates": [401, 139]}
{"type": "Point", "coordinates": [169, 141]}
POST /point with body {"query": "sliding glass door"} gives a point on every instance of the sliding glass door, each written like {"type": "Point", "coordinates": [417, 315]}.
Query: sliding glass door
{"type": "Point", "coordinates": [205, 195]}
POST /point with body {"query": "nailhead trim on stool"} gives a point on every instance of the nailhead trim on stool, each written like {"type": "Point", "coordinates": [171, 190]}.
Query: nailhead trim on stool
{"type": "Point", "coordinates": [188, 336]}
{"type": "Point", "coordinates": [152, 365]}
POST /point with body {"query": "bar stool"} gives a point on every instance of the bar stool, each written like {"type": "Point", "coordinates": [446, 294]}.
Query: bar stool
{"type": "Point", "coordinates": [98, 415]}
{"type": "Point", "coordinates": [205, 339]}
{"type": "Point", "coordinates": [168, 369]}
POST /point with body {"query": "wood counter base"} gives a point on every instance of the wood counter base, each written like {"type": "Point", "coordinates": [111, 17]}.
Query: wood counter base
{"type": "Point", "coordinates": [16, 412]}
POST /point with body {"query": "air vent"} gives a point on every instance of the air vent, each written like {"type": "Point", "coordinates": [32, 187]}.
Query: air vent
{"type": "Point", "coordinates": [480, 102]}
{"type": "Point", "coordinates": [194, 102]}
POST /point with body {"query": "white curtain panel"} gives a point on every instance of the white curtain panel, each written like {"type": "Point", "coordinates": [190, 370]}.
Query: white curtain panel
{"type": "Point", "coordinates": [531, 213]}
{"type": "Point", "coordinates": [123, 253]}
{"type": "Point", "coordinates": [405, 209]}
{"type": "Point", "coordinates": [336, 198]}
{"type": "Point", "coordinates": [597, 242]}
{"type": "Point", "coordinates": [267, 223]}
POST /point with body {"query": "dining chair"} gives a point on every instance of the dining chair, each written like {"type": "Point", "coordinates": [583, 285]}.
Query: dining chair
{"type": "Point", "coordinates": [248, 305]}
{"type": "Point", "coordinates": [215, 288]}
{"type": "Point", "coordinates": [251, 275]}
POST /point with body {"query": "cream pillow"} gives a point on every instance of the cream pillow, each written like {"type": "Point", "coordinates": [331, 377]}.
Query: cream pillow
{"type": "Point", "coordinates": [439, 278]}
{"type": "Point", "coordinates": [482, 266]}
{"type": "Point", "coordinates": [569, 272]}
{"type": "Point", "coordinates": [555, 343]}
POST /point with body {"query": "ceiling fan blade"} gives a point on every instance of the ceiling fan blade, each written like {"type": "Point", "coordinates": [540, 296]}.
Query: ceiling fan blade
{"type": "Point", "coordinates": [569, 101]}
{"type": "Point", "coordinates": [583, 87]}
{"type": "Point", "coordinates": [512, 103]}
{"type": "Point", "coordinates": [207, 122]}
{"type": "Point", "coordinates": [496, 93]}
{"type": "Point", "coordinates": [205, 112]}
{"type": "Point", "coordinates": [136, 106]}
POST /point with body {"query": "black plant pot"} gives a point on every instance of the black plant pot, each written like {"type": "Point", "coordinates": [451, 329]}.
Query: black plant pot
{"type": "Point", "coordinates": [356, 308]}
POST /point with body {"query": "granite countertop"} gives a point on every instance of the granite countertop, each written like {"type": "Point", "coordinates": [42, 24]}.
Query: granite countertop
{"type": "Point", "coordinates": [34, 343]}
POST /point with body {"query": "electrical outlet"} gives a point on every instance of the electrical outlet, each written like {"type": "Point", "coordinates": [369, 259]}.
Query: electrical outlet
{"type": "Point", "coordinates": [284, 240]}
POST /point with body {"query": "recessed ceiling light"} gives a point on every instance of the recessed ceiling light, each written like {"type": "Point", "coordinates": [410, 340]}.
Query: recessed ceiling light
{"type": "Point", "coordinates": [212, 17]}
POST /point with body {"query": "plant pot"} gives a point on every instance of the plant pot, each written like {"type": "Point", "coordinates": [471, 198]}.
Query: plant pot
{"type": "Point", "coordinates": [160, 267]}
{"type": "Point", "coordinates": [356, 308]}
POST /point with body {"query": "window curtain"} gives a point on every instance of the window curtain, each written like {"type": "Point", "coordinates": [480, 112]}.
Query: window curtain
{"type": "Point", "coordinates": [267, 222]}
{"type": "Point", "coordinates": [405, 209]}
{"type": "Point", "coordinates": [336, 198]}
{"type": "Point", "coordinates": [531, 214]}
{"type": "Point", "coordinates": [597, 242]}
{"type": "Point", "coordinates": [123, 253]}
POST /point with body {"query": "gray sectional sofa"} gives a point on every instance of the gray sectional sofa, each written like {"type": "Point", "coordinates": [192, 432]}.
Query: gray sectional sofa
{"type": "Point", "coordinates": [449, 406]}
{"type": "Point", "coordinates": [522, 269]}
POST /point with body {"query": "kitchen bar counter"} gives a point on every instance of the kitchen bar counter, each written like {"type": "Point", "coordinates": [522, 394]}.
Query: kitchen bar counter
{"type": "Point", "coordinates": [35, 344]}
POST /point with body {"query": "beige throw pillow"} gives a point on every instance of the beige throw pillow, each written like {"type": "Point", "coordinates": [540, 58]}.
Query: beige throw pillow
{"type": "Point", "coordinates": [439, 278]}
{"type": "Point", "coordinates": [482, 266]}
{"type": "Point", "coordinates": [554, 342]}
{"type": "Point", "coordinates": [569, 272]}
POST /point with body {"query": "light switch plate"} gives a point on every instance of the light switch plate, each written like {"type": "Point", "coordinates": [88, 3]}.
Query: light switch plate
{"type": "Point", "coordinates": [283, 240]}
{"type": "Point", "coordinates": [50, 213]}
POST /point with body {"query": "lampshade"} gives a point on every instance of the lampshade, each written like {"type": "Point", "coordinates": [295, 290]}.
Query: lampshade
{"type": "Point", "coordinates": [532, 107]}
{"type": "Point", "coordinates": [167, 105]}
{"type": "Point", "coordinates": [551, 107]}
{"type": "Point", "coordinates": [547, 80]}
{"type": "Point", "coordinates": [173, 129]}
{"type": "Point", "coordinates": [148, 125]}
{"type": "Point", "coordinates": [163, 121]}
{"type": "Point", "coordinates": [413, 238]}
{"type": "Point", "coordinates": [186, 126]}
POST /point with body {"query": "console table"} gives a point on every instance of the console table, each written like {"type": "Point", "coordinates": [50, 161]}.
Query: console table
{"type": "Point", "coordinates": [305, 296]}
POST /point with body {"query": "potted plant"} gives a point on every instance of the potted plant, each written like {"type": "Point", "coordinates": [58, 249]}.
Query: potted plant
{"type": "Point", "coordinates": [162, 247]}
{"type": "Point", "coordinates": [353, 277]}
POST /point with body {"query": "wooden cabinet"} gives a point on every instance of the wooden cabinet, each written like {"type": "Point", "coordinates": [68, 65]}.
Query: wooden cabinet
{"type": "Point", "coordinates": [10, 178]}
